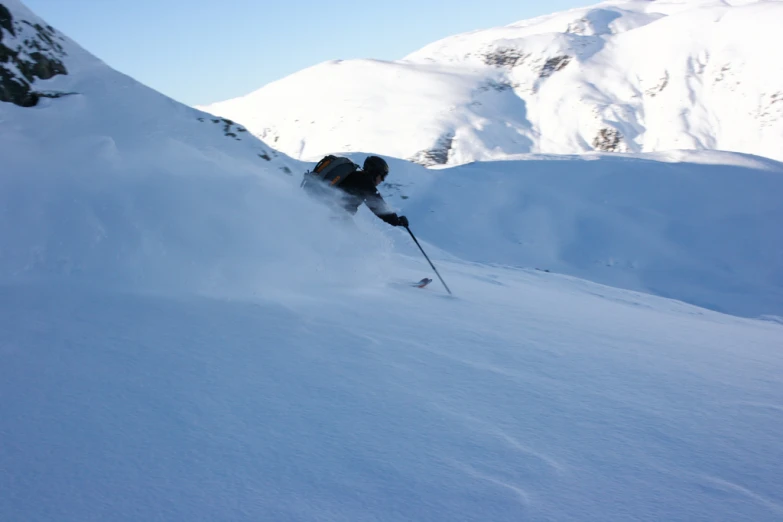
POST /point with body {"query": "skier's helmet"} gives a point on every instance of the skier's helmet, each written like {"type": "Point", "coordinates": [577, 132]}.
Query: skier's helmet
{"type": "Point", "coordinates": [376, 166]}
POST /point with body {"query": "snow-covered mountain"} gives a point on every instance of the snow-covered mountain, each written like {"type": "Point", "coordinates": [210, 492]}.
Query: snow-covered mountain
{"type": "Point", "coordinates": [93, 136]}
{"type": "Point", "coordinates": [75, 96]}
{"type": "Point", "coordinates": [184, 335]}
{"type": "Point", "coordinates": [618, 76]}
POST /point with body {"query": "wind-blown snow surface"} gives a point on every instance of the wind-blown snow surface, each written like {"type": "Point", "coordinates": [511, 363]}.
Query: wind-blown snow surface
{"type": "Point", "coordinates": [185, 336]}
{"type": "Point", "coordinates": [617, 76]}
{"type": "Point", "coordinates": [530, 397]}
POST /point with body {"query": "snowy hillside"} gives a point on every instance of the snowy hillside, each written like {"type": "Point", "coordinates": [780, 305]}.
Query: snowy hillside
{"type": "Point", "coordinates": [618, 76]}
{"type": "Point", "coordinates": [101, 138]}
{"type": "Point", "coordinates": [185, 336]}
{"type": "Point", "coordinates": [529, 397]}
{"type": "Point", "coordinates": [57, 95]}
{"type": "Point", "coordinates": [700, 227]}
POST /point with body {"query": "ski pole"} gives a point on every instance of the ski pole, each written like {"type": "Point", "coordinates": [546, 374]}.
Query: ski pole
{"type": "Point", "coordinates": [428, 259]}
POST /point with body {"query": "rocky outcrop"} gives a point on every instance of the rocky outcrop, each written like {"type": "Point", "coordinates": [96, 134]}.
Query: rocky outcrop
{"type": "Point", "coordinates": [6, 21]}
{"type": "Point", "coordinates": [438, 155]}
{"type": "Point", "coordinates": [659, 87]}
{"type": "Point", "coordinates": [493, 85]}
{"type": "Point", "coordinates": [233, 130]}
{"type": "Point", "coordinates": [553, 65]}
{"type": "Point", "coordinates": [230, 129]}
{"type": "Point", "coordinates": [504, 57]}
{"type": "Point", "coordinates": [608, 140]}
{"type": "Point", "coordinates": [28, 52]}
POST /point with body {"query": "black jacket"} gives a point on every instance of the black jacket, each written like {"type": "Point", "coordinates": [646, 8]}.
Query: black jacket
{"type": "Point", "coordinates": [359, 187]}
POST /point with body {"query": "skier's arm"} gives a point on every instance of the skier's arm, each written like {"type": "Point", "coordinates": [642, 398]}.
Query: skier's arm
{"type": "Point", "coordinates": [379, 207]}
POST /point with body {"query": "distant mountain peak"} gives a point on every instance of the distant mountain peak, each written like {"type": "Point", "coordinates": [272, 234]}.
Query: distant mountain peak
{"type": "Point", "coordinates": [619, 76]}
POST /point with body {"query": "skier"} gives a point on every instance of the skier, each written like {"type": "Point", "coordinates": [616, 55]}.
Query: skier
{"type": "Point", "coordinates": [356, 186]}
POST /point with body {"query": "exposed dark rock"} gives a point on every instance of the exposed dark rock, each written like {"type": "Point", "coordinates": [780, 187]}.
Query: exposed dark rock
{"type": "Point", "coordinates": [662, 83]}
{"type": "Point", "coordinates": [770, 108]}
{"type": "Point", "coordinates": [608, 140]}
{"type": "Point", "coordinates": [495, 86]}
{"type": "Point", "coordinates": [505, 57]}
{"type": "Point", "coordinates": [227, 127]}
{"type": "Point", "coordinates": [228, 131]}
{"type": "Point", "coordinates": [41, 67]}
{"type": "Point", "coordinates": [265, 156]}
{"type": "Point", "coordinates": [16, 91]}
{"type": "Point", "coordinates": [553, 65]}
{"type": "Point", "coordinates": [438, 155]}
{"type": "Point", "coordinates": [724, 71]}
{"type": "Point", "coordinates": [37, 58]}
{"type": "Point", "coordinates": [44, 39]}
{"type": "Point", "coordinates": [6, 21]}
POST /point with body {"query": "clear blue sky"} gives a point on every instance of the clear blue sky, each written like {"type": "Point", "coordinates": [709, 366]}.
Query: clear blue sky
{"type": "Point", "coordinates": [203, 51]}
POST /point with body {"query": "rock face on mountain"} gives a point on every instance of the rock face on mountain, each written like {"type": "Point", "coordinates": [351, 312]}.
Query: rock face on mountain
{"type": "Point", "coordinates": [28, 52]}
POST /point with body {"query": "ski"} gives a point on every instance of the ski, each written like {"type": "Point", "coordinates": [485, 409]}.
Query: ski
{"type": "Point", "coordinates": [424, 282]}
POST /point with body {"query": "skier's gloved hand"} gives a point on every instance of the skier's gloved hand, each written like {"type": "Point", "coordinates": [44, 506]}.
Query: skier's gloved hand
{"type": "Point", "coordinates": [402, 221]}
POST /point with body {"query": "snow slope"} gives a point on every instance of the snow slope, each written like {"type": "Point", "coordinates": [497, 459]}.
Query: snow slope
{"type": "Point", "coordinates": [700, 227]}
{"type": "Point", "coordinates": [185, 336]}
{"type": "Point", "coordinates": [88, 164]}
{"type": "Point", "coordinates": [617, 76]}
{"type": "Point", "coordinates": [530, 397]}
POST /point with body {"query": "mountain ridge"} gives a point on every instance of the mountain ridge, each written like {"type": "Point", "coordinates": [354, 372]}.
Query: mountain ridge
{"type": "Point", "coordinates": [614, 77]}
